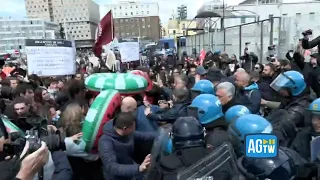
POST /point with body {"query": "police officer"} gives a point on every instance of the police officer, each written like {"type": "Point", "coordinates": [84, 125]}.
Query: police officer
{"type": "Point", "coordinates": [286, 166]}
{"type": "Point", "coordinates": [247, 124]}
{"type": "Point", "coordinates": [292, 86]}
{"type": "Point", "coordinates": [211, 117]}
{"type": "Point", "coordinates": [301, 143]}
{"type": "Point", "coordinates": [188, 147]}
{"type": "Point", "coordinates": [202, 87]}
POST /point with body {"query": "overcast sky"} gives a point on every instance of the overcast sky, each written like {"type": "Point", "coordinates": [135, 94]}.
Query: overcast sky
{"type": "Point", "coordinates": [16, 8]}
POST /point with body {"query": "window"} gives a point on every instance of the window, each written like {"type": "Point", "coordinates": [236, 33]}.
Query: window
{"type": "Point", "coordinates": [142, 12]}
{"type": "Point", "coordinates": [119, 7]}
{"type": "Point", "coordinates": [147, 12]}
{"type": "Point", "coordinates": [174, 31]}
{"type": "Point", "coordinates": [143, 27]}
{"type": "Point", "coordinates": [243, 20]}
{"type": "Point", "coordinates": [149, 26]}
{"type": "Point", "coordinates": [311, 16]}
{"type": "Point", "coordinates": [285, 14]}
{"type": "Point", "coordinates": [126, 14]}
{"type": "Point", "coordinates": [126, 20]}
{"type": "Point", "coordinates": [142, 19]}
{"type": "Point", "coordinates": [131, 13]}
{"type": "Point", "coordinates": [298, 15]}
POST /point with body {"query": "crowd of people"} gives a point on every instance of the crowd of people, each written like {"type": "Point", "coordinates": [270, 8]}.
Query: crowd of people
{"type": "Point", "coordinates": [202, 105]}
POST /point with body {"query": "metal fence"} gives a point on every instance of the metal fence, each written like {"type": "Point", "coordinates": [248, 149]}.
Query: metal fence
{"type": "Point", "coordinates": [283, 32]}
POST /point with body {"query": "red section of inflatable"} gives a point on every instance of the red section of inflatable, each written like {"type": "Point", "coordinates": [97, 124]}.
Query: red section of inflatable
{"type": "Point", "coordinates": [146, 76]}
{"type": "Point", "coordinates": [94, 93]}
{"type": "Point", "coordinates": [108, 115]}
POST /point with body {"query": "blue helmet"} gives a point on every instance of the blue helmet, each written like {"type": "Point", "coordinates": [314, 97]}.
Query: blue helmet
{"type": "Point", "coordinates": [208, 107]}
{"type": "Point", "coordinates": [292, 80]}
{"type": "Point", "coordinates": [203, 87]}
{"type": "Point", "coordinates": [235, 112]}
{"type": "Point", "coordinates": [249, 124]}
{"type": "Point", "coordinates": [314, 113]}
{"type": "Point", "coordinates": [314, 107]}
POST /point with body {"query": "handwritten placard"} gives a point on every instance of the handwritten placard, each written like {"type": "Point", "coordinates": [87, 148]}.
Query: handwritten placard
{"type": "Point", "coordinates": [129, 51]}
{"type": "Point", "coordinates": [50, 57]}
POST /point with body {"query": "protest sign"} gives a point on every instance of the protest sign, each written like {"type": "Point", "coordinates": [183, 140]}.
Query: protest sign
{"type": "Point", "coordinates": [50, 57]}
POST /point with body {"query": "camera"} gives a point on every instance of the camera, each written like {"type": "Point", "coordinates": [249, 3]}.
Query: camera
{"type": "Point", "coordinates": [16, 147]}
{"type": "Point", "coordinates": [307, 32]}
{"type": "Point", "coordinates": [38, 133]}
{"type": "Point", "coordinates": [271, 48]}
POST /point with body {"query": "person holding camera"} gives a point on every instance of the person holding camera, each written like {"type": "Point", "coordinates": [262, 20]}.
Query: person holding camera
{"type": "Point", "coordinates": [306, 44]}
{"type": "Point", "coordinates": [22, 165]}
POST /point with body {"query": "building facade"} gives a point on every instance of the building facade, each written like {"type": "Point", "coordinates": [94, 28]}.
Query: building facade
{"type": "Point", "coordinates": [182, 12]}
{"type": "Point", "coordinates": [126, 9]}
{"type": "Point", "coordinates": [14, 32]}
{"type": "Point", "coordinates": [139, 27]}
{"type": "Point", "coordinates": [176, 28]}
{"type": "Point", "coordinates": [79, 18]}
{"type": "Point", "coordinates": [135, 19]}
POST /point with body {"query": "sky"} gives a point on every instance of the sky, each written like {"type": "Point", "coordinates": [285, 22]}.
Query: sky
{"type": "Point", "coordinates": [16, 8]}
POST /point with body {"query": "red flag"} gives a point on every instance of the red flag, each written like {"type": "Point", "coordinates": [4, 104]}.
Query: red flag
{"type": "Point", "coordinates": [202, 55]}
{"type": "Point", "coordinates": [104, 33]}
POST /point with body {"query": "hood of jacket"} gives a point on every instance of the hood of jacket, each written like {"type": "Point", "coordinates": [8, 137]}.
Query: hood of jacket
{"type": "Point", "coordinates": [252, 86]}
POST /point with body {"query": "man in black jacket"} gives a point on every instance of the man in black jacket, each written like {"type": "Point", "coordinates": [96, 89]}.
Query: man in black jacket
{"type": "Point", "coordinates": [178, 109]}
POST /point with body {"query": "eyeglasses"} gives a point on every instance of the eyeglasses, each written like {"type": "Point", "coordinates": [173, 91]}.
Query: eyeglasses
{"type": "Point", "coordinates": [256, 67]}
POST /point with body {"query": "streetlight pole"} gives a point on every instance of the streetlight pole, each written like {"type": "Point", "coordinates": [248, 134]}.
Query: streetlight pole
{"type": "Point", "coordinates": [64, 21]}
{"type": "Point", "coordinates": [222, 27]}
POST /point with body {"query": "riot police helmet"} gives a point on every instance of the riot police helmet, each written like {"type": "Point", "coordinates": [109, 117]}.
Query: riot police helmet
{"type": "Point", "coordinates": [187, 132]}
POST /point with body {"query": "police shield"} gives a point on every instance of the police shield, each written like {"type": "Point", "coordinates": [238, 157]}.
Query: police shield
{"type": "Point", "coordinates": [159, 144]}
{"type": "Point", "coordinates": [220, 161]}
{"type": "Point", "coordinates": [315, 148]}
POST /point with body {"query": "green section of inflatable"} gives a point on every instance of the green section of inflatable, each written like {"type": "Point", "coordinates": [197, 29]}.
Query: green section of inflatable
{"type": "Point", "coordinates": [125, 83]}
{"type": "Point", "coordinates": [94, 116]}
{"type": "Point", "coordinates": [11, 127]}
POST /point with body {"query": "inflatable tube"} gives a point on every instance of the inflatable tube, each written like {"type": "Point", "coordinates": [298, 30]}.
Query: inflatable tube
{"type": "Point", "coordinates": [125, 83]}
{"type": "Point", "coordinates": [105, 103]}
{"type": "Point", "coordinates": [143, 74]}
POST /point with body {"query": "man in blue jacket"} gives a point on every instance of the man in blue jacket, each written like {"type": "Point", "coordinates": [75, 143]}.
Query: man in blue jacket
{"type": "Point", "coordinates": [116, 148]}
{"type": "Point", "coordinates": [248, 90]}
